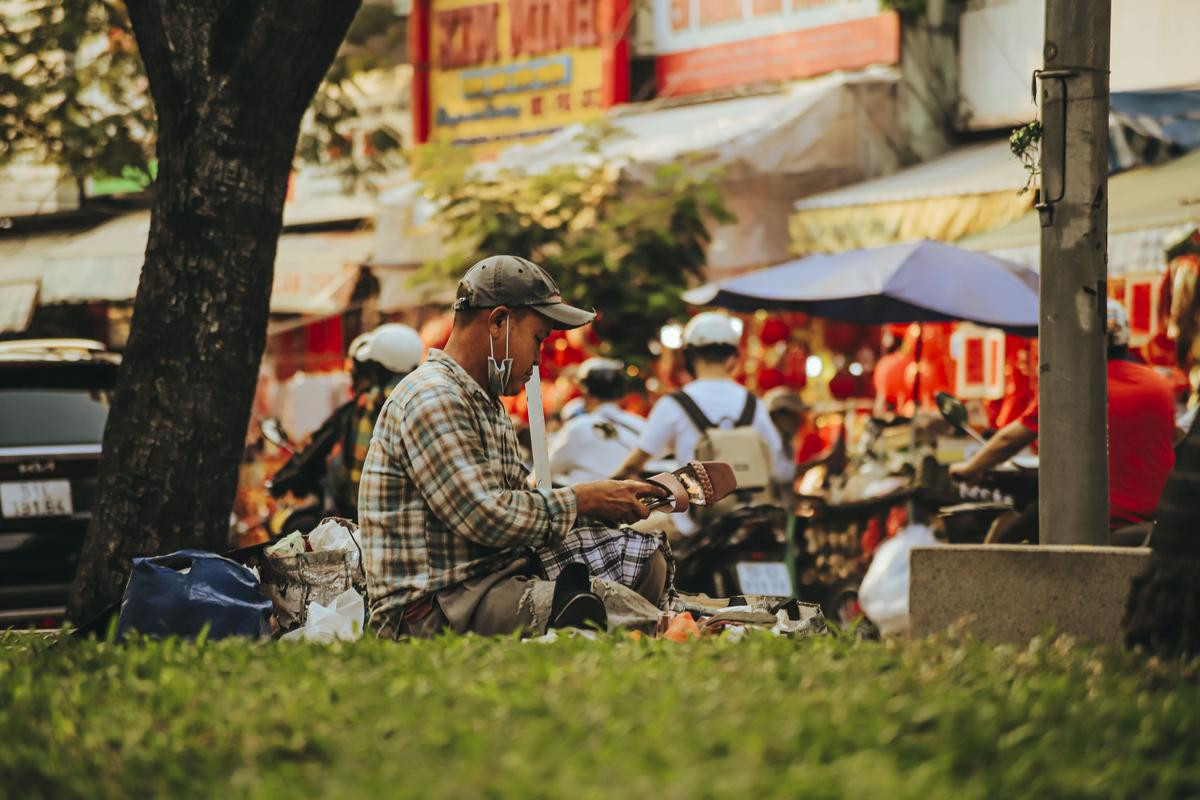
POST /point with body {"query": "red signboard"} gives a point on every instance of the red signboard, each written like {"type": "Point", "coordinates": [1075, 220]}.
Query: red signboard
{"type": "Point", "coordinates": [852, 44]}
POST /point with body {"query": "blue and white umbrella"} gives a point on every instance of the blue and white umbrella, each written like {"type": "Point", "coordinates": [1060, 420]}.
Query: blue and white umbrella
{"type": "Point", "coordinates": [916, 282]}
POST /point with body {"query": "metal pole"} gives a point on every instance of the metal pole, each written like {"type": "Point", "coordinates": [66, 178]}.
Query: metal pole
{"type": "Point", "coordinates": [537, 430]}
{"type": "Point", "coordinates": [1073, 207]}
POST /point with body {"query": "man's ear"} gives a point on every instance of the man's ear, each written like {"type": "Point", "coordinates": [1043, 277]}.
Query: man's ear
{"type": "Point", "coordinates": [496, 318]}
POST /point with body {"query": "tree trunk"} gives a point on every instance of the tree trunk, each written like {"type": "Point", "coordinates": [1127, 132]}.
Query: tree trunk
{"type": "Point", "coordinates": [230, 80]}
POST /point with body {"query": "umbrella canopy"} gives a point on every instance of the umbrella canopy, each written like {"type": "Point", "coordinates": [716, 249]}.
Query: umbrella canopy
{"type": "Point", "coordinates": [917, 282]}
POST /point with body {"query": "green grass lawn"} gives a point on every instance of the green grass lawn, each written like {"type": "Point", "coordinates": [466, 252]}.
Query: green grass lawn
{"type": "Point", "coordinates": [467, 717]}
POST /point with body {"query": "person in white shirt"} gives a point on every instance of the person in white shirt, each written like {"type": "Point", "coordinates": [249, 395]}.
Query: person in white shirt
{"type": "Point", "coordinates": [710, 350]}
{"type": "Point", "coordinates": [592, 444]}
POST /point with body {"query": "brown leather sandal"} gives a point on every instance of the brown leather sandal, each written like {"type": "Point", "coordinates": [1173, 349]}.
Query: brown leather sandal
{"type": "Point", "coordinates": [698, 483]}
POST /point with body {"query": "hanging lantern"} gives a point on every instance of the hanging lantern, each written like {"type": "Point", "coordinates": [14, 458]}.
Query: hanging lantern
{"type": "Point", "coordinates": [1141, 300]}
{"type": "Point", "coordinates": [978, 355]}
{"type": "Point", "coordinates": [768, 378]}
{"type": "Point", "coordinates": [843, 385]}
{"type": "Point", "coordinates": [773, 331]}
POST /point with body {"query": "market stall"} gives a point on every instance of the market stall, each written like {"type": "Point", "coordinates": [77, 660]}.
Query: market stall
{"type": "Point", "coordinates": [868, 488]}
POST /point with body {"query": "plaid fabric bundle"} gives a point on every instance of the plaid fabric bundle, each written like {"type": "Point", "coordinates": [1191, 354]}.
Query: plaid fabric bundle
{"type": "Point", "coordinates": [444, 498]}
{"type": "Point", "coordinates": [616, 556]}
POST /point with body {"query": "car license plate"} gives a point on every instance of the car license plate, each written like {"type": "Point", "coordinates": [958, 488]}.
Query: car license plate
{"type": "Point", "coordinates": [769, 578]}
{"type": "Point", "coordinates": [36, 499]}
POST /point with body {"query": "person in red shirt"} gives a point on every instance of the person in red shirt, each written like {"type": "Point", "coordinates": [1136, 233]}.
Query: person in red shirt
{"type": "Point", "coordinates": [1141, 425]}
{"type": "Point", "coordinates": [893, 388]}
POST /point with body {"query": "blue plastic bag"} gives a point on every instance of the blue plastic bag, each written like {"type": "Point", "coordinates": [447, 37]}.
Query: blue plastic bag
{"type": "Point", "coordinates": [163, 600]}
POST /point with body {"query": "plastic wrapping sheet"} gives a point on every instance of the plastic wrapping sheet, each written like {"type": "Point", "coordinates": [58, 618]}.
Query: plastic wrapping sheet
{"type": "Point", "coordinates": [840, 120]}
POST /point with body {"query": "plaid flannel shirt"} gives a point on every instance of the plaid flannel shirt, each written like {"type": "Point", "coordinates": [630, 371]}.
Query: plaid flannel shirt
{"type": "Point", "coordinates": [444, 498]}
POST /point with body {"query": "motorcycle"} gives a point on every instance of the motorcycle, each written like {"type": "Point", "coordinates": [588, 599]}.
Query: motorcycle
{"type": "Point", "coordinates": [845, 506]}
{"type": "Point", "coordinates": [299, 484]}
{"type": "Point", "coordinates": [993, 502]}
{"type": "Point", "coordinates": [1013, 487]}
{"type": "Point", "coordinates": [741, 552]}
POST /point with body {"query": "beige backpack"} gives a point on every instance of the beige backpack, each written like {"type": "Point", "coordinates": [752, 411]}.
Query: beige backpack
{"type": "Point", "coordinates": [742, 446]}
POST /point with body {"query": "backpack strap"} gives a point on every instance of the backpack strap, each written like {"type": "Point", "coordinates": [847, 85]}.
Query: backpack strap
{"type": "Point", "coordinates": [747, 417]}
{"type": "Point", "coordinates": [692, 410]}
{"type": "Point", "coordinates": [620, 424]}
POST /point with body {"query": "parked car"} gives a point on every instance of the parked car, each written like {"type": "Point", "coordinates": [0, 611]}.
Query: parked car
{"type": "Point", "coordinates": [54, 396]}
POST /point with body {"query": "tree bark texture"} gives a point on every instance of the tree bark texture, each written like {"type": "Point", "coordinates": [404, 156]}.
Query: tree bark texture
{"type": "Point", "coordinates": [230, 80]}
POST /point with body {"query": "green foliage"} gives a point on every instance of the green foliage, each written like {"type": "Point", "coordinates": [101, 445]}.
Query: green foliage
{"type": "Point", "coordinates": [628, 249]}
{"type": "Point", "coordinates": [374, 45]}
{"type": "Point", "coordinates": [1025, 143]}
{"type": "Point", "coordinates": [72, 90]}
{"type": "Point", "coordinates": [73, 93]}
{"type": "Point", "coordinates": [467, 717]}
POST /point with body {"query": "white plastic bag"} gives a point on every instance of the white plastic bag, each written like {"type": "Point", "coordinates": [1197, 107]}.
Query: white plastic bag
{"type": "Point", "coordinates": [341, 620]}
{"type": "Point", "coordinates": [883, 593]}
{"type": "Point", "coordinates": [290, 545]}
{"type": "Point", "coordinates": [332, 535]}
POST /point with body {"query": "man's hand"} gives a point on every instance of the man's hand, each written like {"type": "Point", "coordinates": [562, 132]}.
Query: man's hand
{"type": "Point", "coordinates": [1007, 442]}
{"type": "Point", "coordinates": [618, 502]}
{"type": "Point", "coordinates": [963, 471]}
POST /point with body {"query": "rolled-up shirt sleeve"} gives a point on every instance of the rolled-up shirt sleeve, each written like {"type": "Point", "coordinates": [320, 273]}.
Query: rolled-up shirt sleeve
{"type": "Point", "coordinates": [658, 436]}
{"type": "Point", "coordinates": [465, 490]}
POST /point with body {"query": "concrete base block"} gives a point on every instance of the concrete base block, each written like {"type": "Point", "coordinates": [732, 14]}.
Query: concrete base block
{"type": "Point", "coordinates": [1012, 593]}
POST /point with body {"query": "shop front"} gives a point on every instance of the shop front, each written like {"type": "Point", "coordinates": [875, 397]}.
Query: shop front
{"type": "Point", "coordinates": [493, 73]}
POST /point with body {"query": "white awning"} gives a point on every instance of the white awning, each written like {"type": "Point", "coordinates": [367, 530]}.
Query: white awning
{"type": "Point", "coordinates": [975, 169]}
{"type": "Point", "coordinates": [20, 277]}
{"type": "Point", "coordinates": [406, 234]}
{"type": "Point", "coordinates": [767, 150]}
{"type": "Point", "coordinates": [17, 301]}
{"type": "Point", "coordinates": [398, 289]}
{"type": "Point", "coordinates": [314, 272]}
{"type": "Point", "coordinates": [961, 193]}
{"type": "Point", "coordinates": [102, 264]}
{"type": "Point", "coordinates": [814, 125]}
{"type": "Point", "coordinates": [1147, 207]}
{"type": "Point", "coordinates": [1130, 253]}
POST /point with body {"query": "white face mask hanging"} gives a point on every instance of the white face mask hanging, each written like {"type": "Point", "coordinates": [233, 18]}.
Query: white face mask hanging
{"type": "Point", "coordinates": [498, 375]}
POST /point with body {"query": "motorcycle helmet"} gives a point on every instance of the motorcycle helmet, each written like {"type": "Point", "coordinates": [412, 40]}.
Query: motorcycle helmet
{"type": "Point", "coordinates": [358, 342]}
{"type": "Point", "coordinates": [398, 348]}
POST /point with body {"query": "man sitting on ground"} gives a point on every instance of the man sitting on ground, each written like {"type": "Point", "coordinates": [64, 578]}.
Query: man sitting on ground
{"type": "Point", "coordinates": [452, 536]}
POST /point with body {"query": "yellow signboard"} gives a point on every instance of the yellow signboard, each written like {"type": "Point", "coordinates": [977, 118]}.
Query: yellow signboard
{"type": "Point", "coordinates": [493, 83]}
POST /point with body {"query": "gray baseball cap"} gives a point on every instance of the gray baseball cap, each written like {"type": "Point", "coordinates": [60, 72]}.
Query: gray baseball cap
{"type": "Point", "coordinates": [515, 281]}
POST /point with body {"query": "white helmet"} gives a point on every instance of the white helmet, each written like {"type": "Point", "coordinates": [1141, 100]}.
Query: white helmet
{"type": "Point", "coordinates": [711, 328]}
{"type": "Point", "coordinates": [1116, 324]}
{"type": "Point", "coordinates": [397, 347]}
{"type": "Point", "coordinates": [358, 342]}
